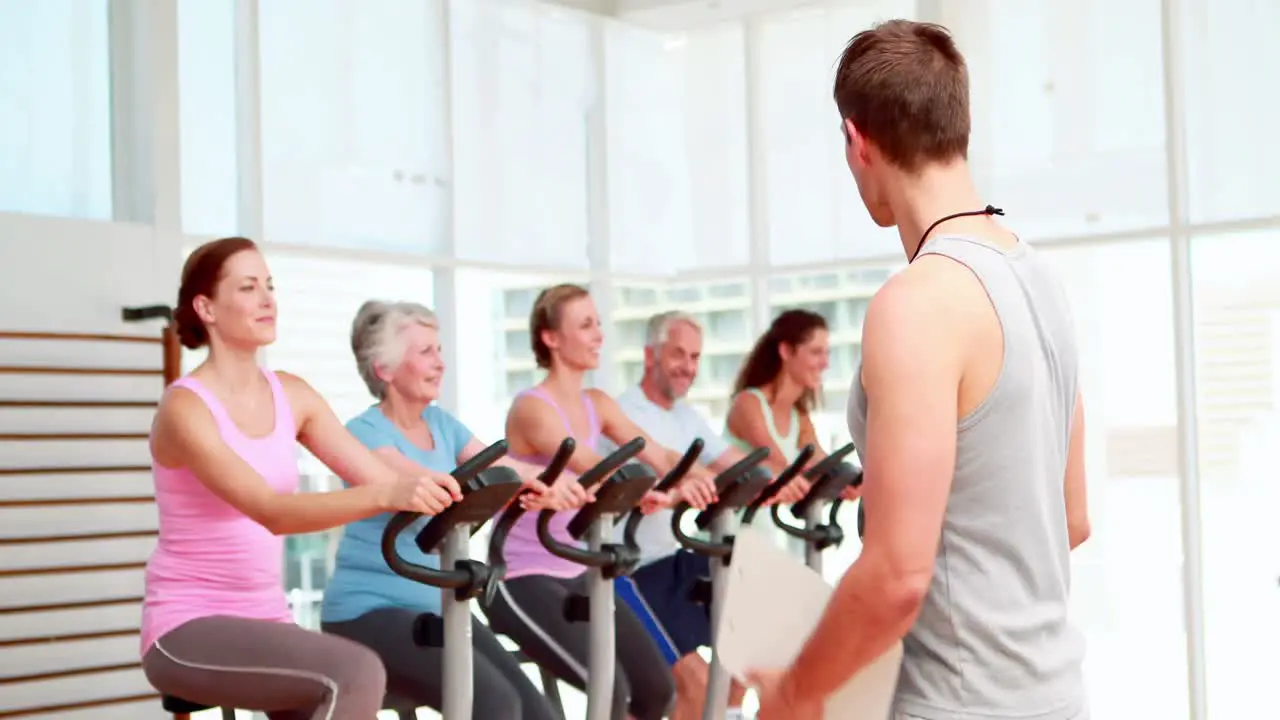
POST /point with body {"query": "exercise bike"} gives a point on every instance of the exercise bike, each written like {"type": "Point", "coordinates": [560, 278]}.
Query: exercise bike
{"type": "Point", "coordinates": [737, 487]}
{"type": "Point", "coordinates": [485, 492]}
{"type": "Point", "coordinates": [817, 535]}
{"type": "Point", "coordinates": [829, 477]}
{"type": "Point", "coordinates": [622, 485]}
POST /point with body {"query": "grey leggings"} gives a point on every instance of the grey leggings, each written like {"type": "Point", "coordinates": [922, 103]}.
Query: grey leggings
{"type": "Point", "coordinates": [502, 691]}
{"type": "Point", "coordinates": [279, 668]}
{"type": "Point", "coordinates": [531, 611]}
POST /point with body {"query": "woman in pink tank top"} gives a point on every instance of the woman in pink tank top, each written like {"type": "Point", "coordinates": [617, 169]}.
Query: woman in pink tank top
{"type": "Point", "coordinates": [529, 607]}
{"type": "Point", "coordinates": [216, 627]}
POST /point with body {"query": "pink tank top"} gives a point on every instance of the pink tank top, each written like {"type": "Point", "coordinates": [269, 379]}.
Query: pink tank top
{"type": "Point", "coordinates": [524, 551]}
{"type": "Point", "coordinates": [212, 559]}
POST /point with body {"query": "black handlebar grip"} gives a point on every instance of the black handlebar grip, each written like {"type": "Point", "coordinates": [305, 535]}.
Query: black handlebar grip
{"type": "Point", "coordinates": [480, 461]}
{"type": "Point", "coordinates": [784, 478]}
{"type": "Point", "coordinates": [636, 516]}
{"type": "Point", "coordinates": [825, 465]}
{"type": "Point", "coordinates": [507, 520]}
{"type": "Point", "coordinates": [682, 468]}
{"type": "Point", "coordinates": [611, 462]}
{"type": "Point", "coordinates": [559, 461]}
{"type": "Point", "coordinates": [734, 471]}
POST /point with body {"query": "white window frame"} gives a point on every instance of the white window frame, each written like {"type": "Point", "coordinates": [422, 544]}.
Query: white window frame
{"type": "Point", "coordinates": [146, 177]}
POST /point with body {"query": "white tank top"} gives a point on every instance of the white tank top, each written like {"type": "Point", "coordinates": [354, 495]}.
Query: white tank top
{"type": "Point", "coordinates": [788, 445]}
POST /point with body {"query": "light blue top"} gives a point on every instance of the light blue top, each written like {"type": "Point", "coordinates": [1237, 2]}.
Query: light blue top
{"type": "Point", "coordinates": [675, 429]}
{"type": "Point", "coordinates": [361, 580]}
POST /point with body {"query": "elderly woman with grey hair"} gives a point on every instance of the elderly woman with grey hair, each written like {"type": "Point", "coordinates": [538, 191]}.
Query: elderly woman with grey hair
{"type": "Point", "coordinates": [397, 352]}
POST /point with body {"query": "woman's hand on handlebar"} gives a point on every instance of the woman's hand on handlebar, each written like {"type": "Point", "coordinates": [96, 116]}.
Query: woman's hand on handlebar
{"type": "Point", "coordinates": [533, 485]}
{"type": "Point", "coordinates": [698, 489]}
{"type": "Point", "coordinates": [555, 497]}
{"type": "Point", "coordinates": [448, 482]}
{"type": "Point", "coordinates": [534, 494]}
{"type": "Point", "coordinates": [794, 491]}
{"type": "Point", "coordinates": [533, 500]}
{"type": "Point", "coordinates": [654, 501]}
{"type": "Point", "coordinates": [428, 494]}
{"type": "Point", "coordinates": [569, 493]}
{"type": "Point", "coordinates": [851, 493]}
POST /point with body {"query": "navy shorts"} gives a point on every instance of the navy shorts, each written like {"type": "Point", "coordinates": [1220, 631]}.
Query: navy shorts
{"type": "Point", "coordinates": [660, 593]}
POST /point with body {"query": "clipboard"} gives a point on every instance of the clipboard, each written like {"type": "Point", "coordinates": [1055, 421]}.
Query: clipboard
{"type": "Point", "coordinates": [772, 604]}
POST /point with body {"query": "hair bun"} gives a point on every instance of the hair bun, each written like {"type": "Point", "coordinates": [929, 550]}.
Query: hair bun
{"type": "Point", "coordinates": [190, 330]}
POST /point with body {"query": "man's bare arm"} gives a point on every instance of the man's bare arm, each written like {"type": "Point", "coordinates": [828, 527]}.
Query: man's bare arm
{"type": "Point", "coordinates": [1077, 498]}
{"type": "Point", "coordinates": [912, 367]}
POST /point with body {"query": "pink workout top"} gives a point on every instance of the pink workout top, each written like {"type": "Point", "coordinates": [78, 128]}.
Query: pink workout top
{"type": "Point", "coordinates": [523, 550]}
{"type": "Point", "coordinates": [212, 559]}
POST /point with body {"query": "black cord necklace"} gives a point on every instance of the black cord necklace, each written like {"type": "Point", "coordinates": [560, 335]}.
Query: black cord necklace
{"type": "Point", "coordinates": [988, 210]}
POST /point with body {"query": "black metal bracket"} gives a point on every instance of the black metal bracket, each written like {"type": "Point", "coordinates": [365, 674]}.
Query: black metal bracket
{"type": "Point", "coordinates": [147, 312]}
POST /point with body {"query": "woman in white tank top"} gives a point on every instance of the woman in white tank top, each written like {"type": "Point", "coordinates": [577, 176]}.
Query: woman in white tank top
{"type": "Point", "coordinates": [778, 387]}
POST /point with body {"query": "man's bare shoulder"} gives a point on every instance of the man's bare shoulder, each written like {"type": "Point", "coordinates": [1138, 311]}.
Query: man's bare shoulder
{"type": "Point", "coordinates": [930, 286]}
{"type": "Point", "coordinates": [927, 307]}
{"type": "Point", "coordinates": [936, 287]}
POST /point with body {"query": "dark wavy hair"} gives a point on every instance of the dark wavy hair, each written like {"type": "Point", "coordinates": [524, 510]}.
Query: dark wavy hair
{"type": "Point", "coordinates": [200, 276]}
{"type": "Point", "coordinates": [792, 328]}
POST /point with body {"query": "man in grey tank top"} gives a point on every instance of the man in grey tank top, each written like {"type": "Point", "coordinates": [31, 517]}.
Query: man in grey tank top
{"type": "Point", "coordinates": [968, 419]}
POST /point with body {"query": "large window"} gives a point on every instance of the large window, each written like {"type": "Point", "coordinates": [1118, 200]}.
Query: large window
{"type": "Point", "coordinates": [523, 83]}
{"type": "Point", "coordinates": [55, 88]}
{"type": "Point", "coordinates": [1068, 122]}
{"type": "Point", "coordinates": [1237, 345]}
{"type": "Point", "coordinates": [1234, 173]}
{"type": "Point", "coordinates": [811, 202]}
{"type": "Point", "coordinates": [1127, 581]}
{"type": "Point", "coordinates": [354, 142]}
{"type": "Point", "coordinates": [650, 209]}
{"type": "Point", "coordinates": [208, 107]}
{"type": "Point", "coordinates": [677, 148]}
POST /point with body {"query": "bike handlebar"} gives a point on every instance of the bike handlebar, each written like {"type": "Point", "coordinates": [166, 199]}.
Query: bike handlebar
{"type": "Point", "coordinates": [441, 578]}
{"type": "Point", "coordinates": [635, 517]}
{"type": "Point", "coordinates": [514, 511]}
{"type": "Point", "coordinates": [786, 476]}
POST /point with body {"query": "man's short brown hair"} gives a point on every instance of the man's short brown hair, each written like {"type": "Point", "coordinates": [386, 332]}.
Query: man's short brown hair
{"type": "Point", "coordinates": [905, 86]}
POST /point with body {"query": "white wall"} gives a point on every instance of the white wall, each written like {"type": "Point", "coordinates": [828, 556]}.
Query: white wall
{"type": "Point", "coordinates": [77, 520]}
{"type": "Point", "coordinates": [75, 275]}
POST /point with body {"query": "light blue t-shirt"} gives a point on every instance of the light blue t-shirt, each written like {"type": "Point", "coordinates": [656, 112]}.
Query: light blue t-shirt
{"type": "Point", "coordinates": [361, 580]}
{"type": "Point", "coordinates": [675, 429]}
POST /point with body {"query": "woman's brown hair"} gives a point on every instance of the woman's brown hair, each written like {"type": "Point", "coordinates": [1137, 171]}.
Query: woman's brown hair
{"type": "Point", "coordinates": [200, 276]}
{"type": "Point", "coordinates": [764, 362]}
{"type": "Point", "coordinates": [546, 316]}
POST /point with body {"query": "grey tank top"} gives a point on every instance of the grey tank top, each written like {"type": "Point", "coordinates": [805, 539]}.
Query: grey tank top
{"type": "Point", "coordinates": [993, 640]}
